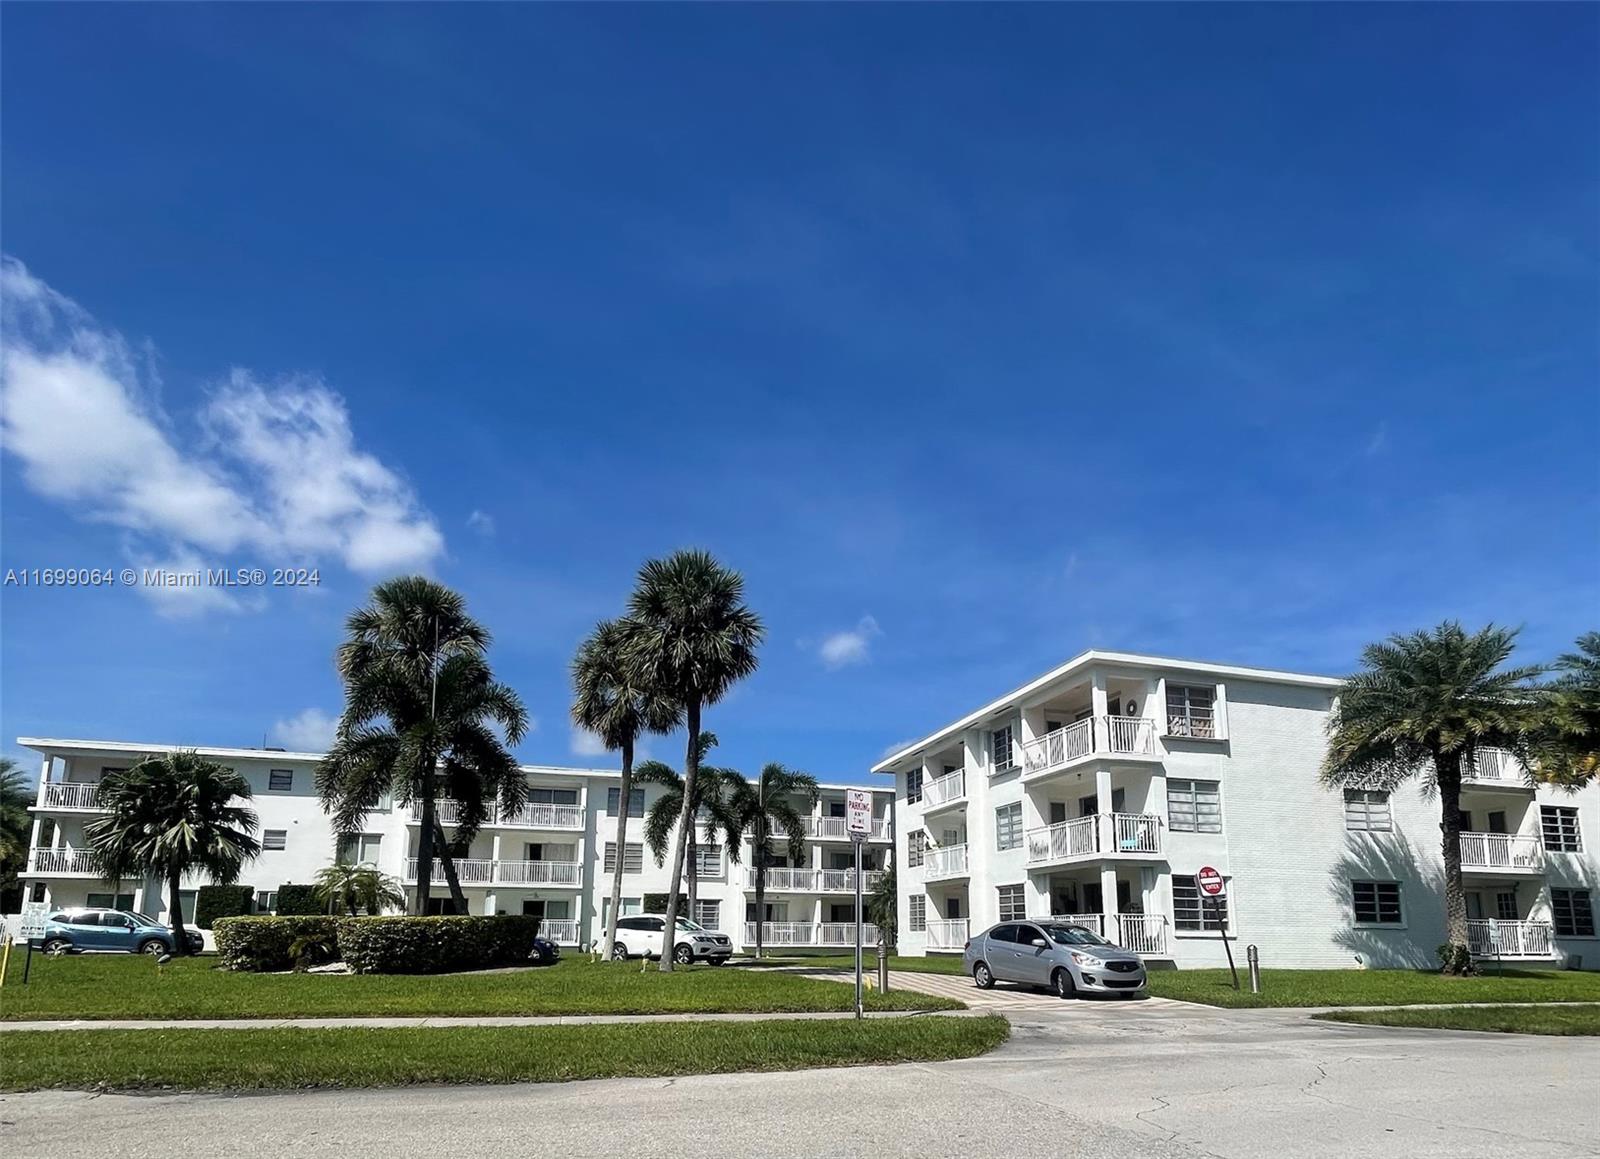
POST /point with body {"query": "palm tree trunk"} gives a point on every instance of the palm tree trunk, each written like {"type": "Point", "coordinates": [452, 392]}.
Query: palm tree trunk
{"type": "Point", "coordinates": [1447, 774]}
{"type": "Point", "coordinates": [457, 898]}
{"type": "Point", "coordinates": [691, 773]}
{"type": "Point", "coordinates": [760, 854]}
{"type": "Point", "coordinates": [622, 839]}
{"type": "Point", "coordinates": [425, 843]}
{"type": "Point", "coordinates": [694, 870]}
{"type": "Point", "coordinates": [180, 936]}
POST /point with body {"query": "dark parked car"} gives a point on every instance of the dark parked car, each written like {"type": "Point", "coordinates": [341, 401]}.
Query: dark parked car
{"type": "Point", "coordinates": [73, 930]}
{"type": "Point", "coordinates": [1069, 958]}
{"type": "Point", "coordinates": [544, 952]}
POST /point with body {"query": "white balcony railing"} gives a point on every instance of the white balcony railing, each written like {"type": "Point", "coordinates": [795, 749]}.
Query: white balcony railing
{"type": "Point", "coordinates": [782, 879]}
{"type": "Point", "coordinates": [1142, 933]}
{"type": "Point", "coordinates": [563, 931]}
{"type": "Point", "coordinates": [469, 870]}
{"type": "Point", "coordinates": [74, 861]}
{"type": "Point", "coordinates": [564, 817]}
{"type": "Point", "coordinates": [1501, 851]}
{"type": "Point", "coordinates": [844, 934]}
{"type": "Point", "coordinates": [1084, 738]}
{"type": "Point", "coordinates": [844, 880]}
{"type": "Point", "coordinates": [833, 829]}
{"type": "Point", "coordinates": [68, 794]}
{"type": "Point", "coordinates": [1096, 922]}
{"type": "Point", "coordinates": [1137, 833]}
{"type": "Point", "coordinates": [945, 861]}
{"type": "Point", "coordinates": [947, 934]}
{"type": "Point", "coordinates": [538, 873]}
{"type": "Point", "coordinates": [783, 934]}
{"type": "Point", "coordinates": [1490, 938]}
{"type": "Point", "coordinates": [947, 789]}
{"type": "Point", "coordinates": [1492, 767]}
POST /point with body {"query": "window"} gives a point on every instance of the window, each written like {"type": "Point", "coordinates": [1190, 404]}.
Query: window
{"type": "Point", "coordinates": [1573, 910]}
{"type": "Point", "coordinates": [36, 893]}
{"type": "Point", "coordinates": [708, 860]}
{"type": "Point", "coordinates": [1003, 934]}
{"type": "Point", "coordinates": [1376, 903]}
{"type": "Point", "coordinates": [1191, 910]}
{"type": "Point", "coordinates": [1194, 806]}
{"type": "Point", "coordinates": [280, 780]}
{"type": "Point", "coordinates": [632, 858]}
{"type": "Point", "coordinates": [1011, 907]}
{"type": "Point", "coordinates": [186, 903]}
{"type": "Point", "coordinates": [359, 849]}
{"type": "Point", "coordinates": [913, 786]}
{"type": "Point", "coordinates": [919, 914]}
{"type": "Point", "coordinates": [635, 801]}
{"type": "Point", "coordinates": [916, 848]}
{"type": "Point", "coordinates": [266, 900]}
{"type": "Point", "coordinates": [1560, 826]}
{"type": "Point", "coordinates": [1008, 826]}
{"type": "Point", "coordinates": [559, 797]}
{"type": "Point", "coordinates": [1367, 811]}
{"type": "Point", "coordinates": [109, 900]}
{"type": "Point", "coordinates": [1000, 749]}
{"type": "Point", "coordinates": [708, 914]}
{"type": "Point", "coordinates": [1191, 711]}
{"type": "Point", "coordinates": [274, 838]}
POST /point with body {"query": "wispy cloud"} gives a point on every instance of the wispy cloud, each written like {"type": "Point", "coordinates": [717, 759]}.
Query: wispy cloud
{"type": "Point", "coordinates": [842, 649]}
{"type": "Point", "coordinates": [269, 472]}
{"type": "Point", "coordinates": [587, 744]}
{"type": "Point", "coordinates": [1379, 439]}
{"type": "Point", "coordinates": [310, 731]}
{"type": "Point", "coordinates": [481, 522]}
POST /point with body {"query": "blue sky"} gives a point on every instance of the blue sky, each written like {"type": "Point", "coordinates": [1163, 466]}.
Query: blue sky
{"type": "Point", "coordinates": [972, 336]}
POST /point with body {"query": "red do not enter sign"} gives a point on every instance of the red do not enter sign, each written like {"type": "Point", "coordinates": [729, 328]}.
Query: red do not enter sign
{"type": "Point", "coordinates": [1209, 881]}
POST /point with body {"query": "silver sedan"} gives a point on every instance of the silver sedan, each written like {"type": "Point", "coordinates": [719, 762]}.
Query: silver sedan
{"type": "Point", "coordinates": [1069, 958]}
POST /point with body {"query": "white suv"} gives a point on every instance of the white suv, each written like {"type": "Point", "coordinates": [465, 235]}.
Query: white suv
{"type": "Point", "coordinates": [641, 937]}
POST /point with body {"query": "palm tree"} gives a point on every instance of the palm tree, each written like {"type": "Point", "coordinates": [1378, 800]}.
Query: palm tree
{"type": "Point", "coordinates": [1421, 706]}
{"type": "Point", "coordinates": [171, 815]}
{"type": "Point", "coordinates": [15, 826]}
{"type": "Point", "coordinates": [713, 790]}
{"type": "Point", "coordinates": [883, 907]}
{"type": "Point", "coordinates": [693, 639]}
{"type": "Point", "coordinates": [421, 710]}
{"type": "Point", "coordinates": [766, 809]}
{"type": "Point", "coordinates": [1569, 754]}
{"type": "Point", "coordinates": [358, 887]}
{"type": "Point", "coordinates": [613, 701]}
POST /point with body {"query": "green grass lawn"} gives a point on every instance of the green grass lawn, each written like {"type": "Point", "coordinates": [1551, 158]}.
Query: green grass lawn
{"type": "Point", "coordinates": [932, 964]}
{"type": "Point", "coordinates": [1374, 987]}
{"type": "Point", "coordinates": [132, 986]}
{"type": "Point", "coordinates": [133, 1060]}
{"type": "Point", "coordinates": [1504, 1019]}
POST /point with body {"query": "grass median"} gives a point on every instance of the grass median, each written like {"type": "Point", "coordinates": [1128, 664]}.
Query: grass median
{"type": "Point", "coordinates": [1375, 987]}
{"type": "Point", "coordinates": [100, 986]}
{"type": "Point", "coordinates": [932, 964]}
{"type": "Point", "coordinates": [240, 1060]}
{"type": "Point", "coordinates": [1583, 1020]}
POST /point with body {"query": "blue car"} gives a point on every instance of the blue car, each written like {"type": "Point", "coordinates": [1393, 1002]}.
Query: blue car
{"type": "Point", "coordinates": [72, 930]}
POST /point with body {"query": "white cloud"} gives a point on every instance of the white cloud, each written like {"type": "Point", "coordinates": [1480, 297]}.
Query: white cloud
{"type": "Point", "coordinates": [271, 471]}
{"type": "Point", "coordinates": [1379, 439]}
{"type": "Point", "coordinates": [481, 522]}
{"type": "Point", "coordinates": [310, 731]}
{"type": "Point", "coordinates": [587, 744]}
{"type": "Point", "coordinates": [852, 647]}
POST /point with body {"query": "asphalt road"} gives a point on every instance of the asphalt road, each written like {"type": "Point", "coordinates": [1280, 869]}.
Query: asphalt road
{"type": "Point", "coordinates": [1128, 1080]}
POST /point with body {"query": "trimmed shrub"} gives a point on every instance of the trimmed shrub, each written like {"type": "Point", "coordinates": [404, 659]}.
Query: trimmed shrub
{"type": "Point", "coordinates": [435, 945]}
{"type": "Point", "coordinates": [263, 944]}
{"type": "Point", "coordinates": [299, 901]}
{"type": "Point", "coordinates": [222, 901]}
{"type": "Point", "coordinates": [655, 903]}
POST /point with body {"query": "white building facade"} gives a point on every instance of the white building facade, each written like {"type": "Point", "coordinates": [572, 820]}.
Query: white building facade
{"type": "Point", "coordinates": [1098, 791]}
{"type": "Point", "coordinates": [553, 859]}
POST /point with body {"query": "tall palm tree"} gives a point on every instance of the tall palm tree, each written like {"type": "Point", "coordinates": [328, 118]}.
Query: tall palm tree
{"type": "Point", "coordinates": [693, 639]}
{"type": "Point", "coordinates": [1421, 706]}
{"type": "Point", "coordinates": [421, 710]}
{"type": "Point", "coordinates": [713, 789]}
{"type": "Point", "coordinates": [15, 826]}
{"type": "Point", "coordinates": [766, 809]}
{"type": "Point", "coordinates": [883, 907]}
{"type": "Point", "coordinates": [171, 815]}
{"type": "Point", "coordinates": [358, 887]}
{"type": "Point", "coordinates": [613, 700]}
{"type": "Point", "coordinates": [1569, 753]}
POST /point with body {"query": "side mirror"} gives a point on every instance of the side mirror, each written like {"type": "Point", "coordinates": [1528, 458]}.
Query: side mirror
{"type": "Point", "coordinates": [1038, 942]}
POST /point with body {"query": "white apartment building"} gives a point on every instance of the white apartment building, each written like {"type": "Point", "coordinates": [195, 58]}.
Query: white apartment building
{"type": "Point", "coordinates": [553, 859]}
{"type": "Point", "coordinates": [1099, 789]}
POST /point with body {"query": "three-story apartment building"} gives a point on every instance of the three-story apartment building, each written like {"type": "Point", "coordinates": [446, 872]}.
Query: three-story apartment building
{"type": "Point", "coordinates": [1098, 790]}
{"type": "Point", "coordinates": [554, 858]}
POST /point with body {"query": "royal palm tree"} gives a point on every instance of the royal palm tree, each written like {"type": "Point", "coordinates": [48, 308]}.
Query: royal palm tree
{"type": "Point", "coordinates": [15, 827]}
{"type": "Point", "coordinates": [613, 701]}
{"type": "Point", "coordinates": [1422, 705]}
{"type": "Point", "coordinates": [693, 639]}
{"type": "Point", "coordinates": [419, 721]}
{"type": "Point", "coordinates": [766, 810]}
{"type": "Point", "coordinates": [1569, 753]}
{"type": "Point", "coordinates": [713, 790]}
{"type": "Point", "coordinates": [883, 907]}
{"type": "Point", "coordinates": [171, 815]}
{"type": "Point", "coordinates": [358, 887]}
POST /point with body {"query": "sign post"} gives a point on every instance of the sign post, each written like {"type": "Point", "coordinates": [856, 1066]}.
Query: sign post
{"type": "Point", "coordinates": [858, 823]}
{"type": "Point", "coordinates": [32, 929]}
{"type": "Point", "coordinates": [1215, 889]}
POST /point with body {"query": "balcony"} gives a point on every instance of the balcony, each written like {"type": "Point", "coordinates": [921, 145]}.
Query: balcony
{"type": "Point", "coordinates": [62, 863]}
{"type": "Point", "coordinates": [947, 934]}
{"type": "Point", "coordinates": [70, 795]}
{"type": "Point", "coordinates": [810, 934]}
{"type": "Point", "coordinates": [478, 872]}
{"type": "Point", "coordinates": [1143, 934]}
{"type": "Point", "coordinates": [833, 829]}
{"type": "Point", "coordinates": [1090, 737]}
{"type": "Point", "coordinates": [1494, 768]}
{"type": "Point", "coordinates": [1488, 938]}
{"type": "Point", "coordinates": [950, 789]}
{"type": "Point", "coordinates": [786, 880]}
{"type": "Point", "coordinates": [566, 818]}
{"type": "Point", "coordinates": [562, 931]}
{"type": "Point", "coordinates": [947, 861]}
{"type": "Point", "coordinates": [1503, 852]}
{"type": "Point", "coordinates": [1135, 835]}
{"type": "Point", "coordinates": [844, 880]}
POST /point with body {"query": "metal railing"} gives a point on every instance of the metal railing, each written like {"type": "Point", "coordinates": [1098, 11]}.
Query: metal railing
{"type": "Point", "coordinates": [833, 828]}
{"type": "Point", "coordinates": [1494, 767]}
{"type": "Point", "coordinates": [1135, 833]}
{"type": "Point", "coordinates": [1142, 933]}
{"type": "Point", "coordinates": [844, 880]}
{"type": "Point", "coordinates": [1129, 734]}
{"type": "Point", "coordinates": [68, 794]}
{"type": "Point", "coordinates": [538, 873]}
{"type": "Point", "coordinates": [469, 870]}
{"type": "Point", "coordinates": [1500, 938]}
{"type": "Point", "coordinates": [783, 879]}
{"type": "Point", "coordinates": [1096, 922]}
{"type": "Point", "coordinates": [563, 817]}
{"type": "Point", "coordinates": [50, 860]}
{"type": "Point", "coordinates": [948, 788]}
{"type": "Point", "coordinates": [784, 934]}
{"type": "Point", "coordinates": [1064, 840]}
{"type": "Point", "coordinates": [945, 861]}
{"type": "Point", "coordinates": [562, 930]}
{"type": "Point", "coordinates": [1084, 738]}
{"type": "Point", "coordinates": [1501, 851]}
{"type": "Point", "coordinates": [947, 934]}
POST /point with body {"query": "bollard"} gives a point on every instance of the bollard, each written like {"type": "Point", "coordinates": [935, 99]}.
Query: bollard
{"type": "Point", "coordinates": [883, 968]}
{"type": "Point", "coordinates": [1253, 956]}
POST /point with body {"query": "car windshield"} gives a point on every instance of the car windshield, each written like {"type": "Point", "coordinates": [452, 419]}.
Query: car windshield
{"type": "Point", "coordinates": [1075, 936]}
{"type": "Point", "coordinates": [687, 924]}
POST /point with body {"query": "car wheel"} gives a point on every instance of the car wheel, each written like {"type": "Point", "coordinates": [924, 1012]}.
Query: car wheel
{"type": "Point", "coordinates": [1063, 984]}
{"type": "Point", "coordinates": [57, 946]}
{"type": "Point", "coordinates": [152, 947]}
{"type": "Point", "coordinates": [619, 953]}
{"type": "Point", "coordinates": [683, 955]}
{"type": "Point", "coordinates": [982, 976]}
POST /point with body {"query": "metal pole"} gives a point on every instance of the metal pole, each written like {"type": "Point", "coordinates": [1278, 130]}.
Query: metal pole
{"type": "Point", "coordinates": [1253, 956]}
{"type": "Point", "coordinates": [27, 963]}
{"type": "Point", "coordinates": [1222, 929]}
{"type": "Point", "coordinates": [860, 1006]}
{"type": "Point", "coordinates": [883, 966]}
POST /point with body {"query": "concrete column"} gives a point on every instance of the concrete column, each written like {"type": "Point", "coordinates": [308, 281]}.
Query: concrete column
{"type": "Point", "coordinates": [1219, 709]}
{"type": "Point", "coordinates": [1106, 826]}
{"type": "Point", "coordinates": [1036, 895]}
{"type": "Point", "coordinates": [1108, 898]}
{"type": "Point", "coordinates": [1097, 701]}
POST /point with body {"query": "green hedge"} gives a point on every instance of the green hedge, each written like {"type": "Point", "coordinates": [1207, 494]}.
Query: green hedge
{"type": "Point", "coordinates": [435, 945]}
{"type": "Point", "coordinates": [213, 902]}
{"type": "Point", "coordinates": [299, 901]}
{"type": "Point", "coordinates": [262, 944]}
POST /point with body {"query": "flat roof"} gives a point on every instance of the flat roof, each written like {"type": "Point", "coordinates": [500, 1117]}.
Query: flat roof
{"type": "Point", "coordinates": [1090, 658]}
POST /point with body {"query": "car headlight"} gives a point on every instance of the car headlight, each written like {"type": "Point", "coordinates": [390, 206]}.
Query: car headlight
{"type": "Point", "coordinates": [1088, 960]}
